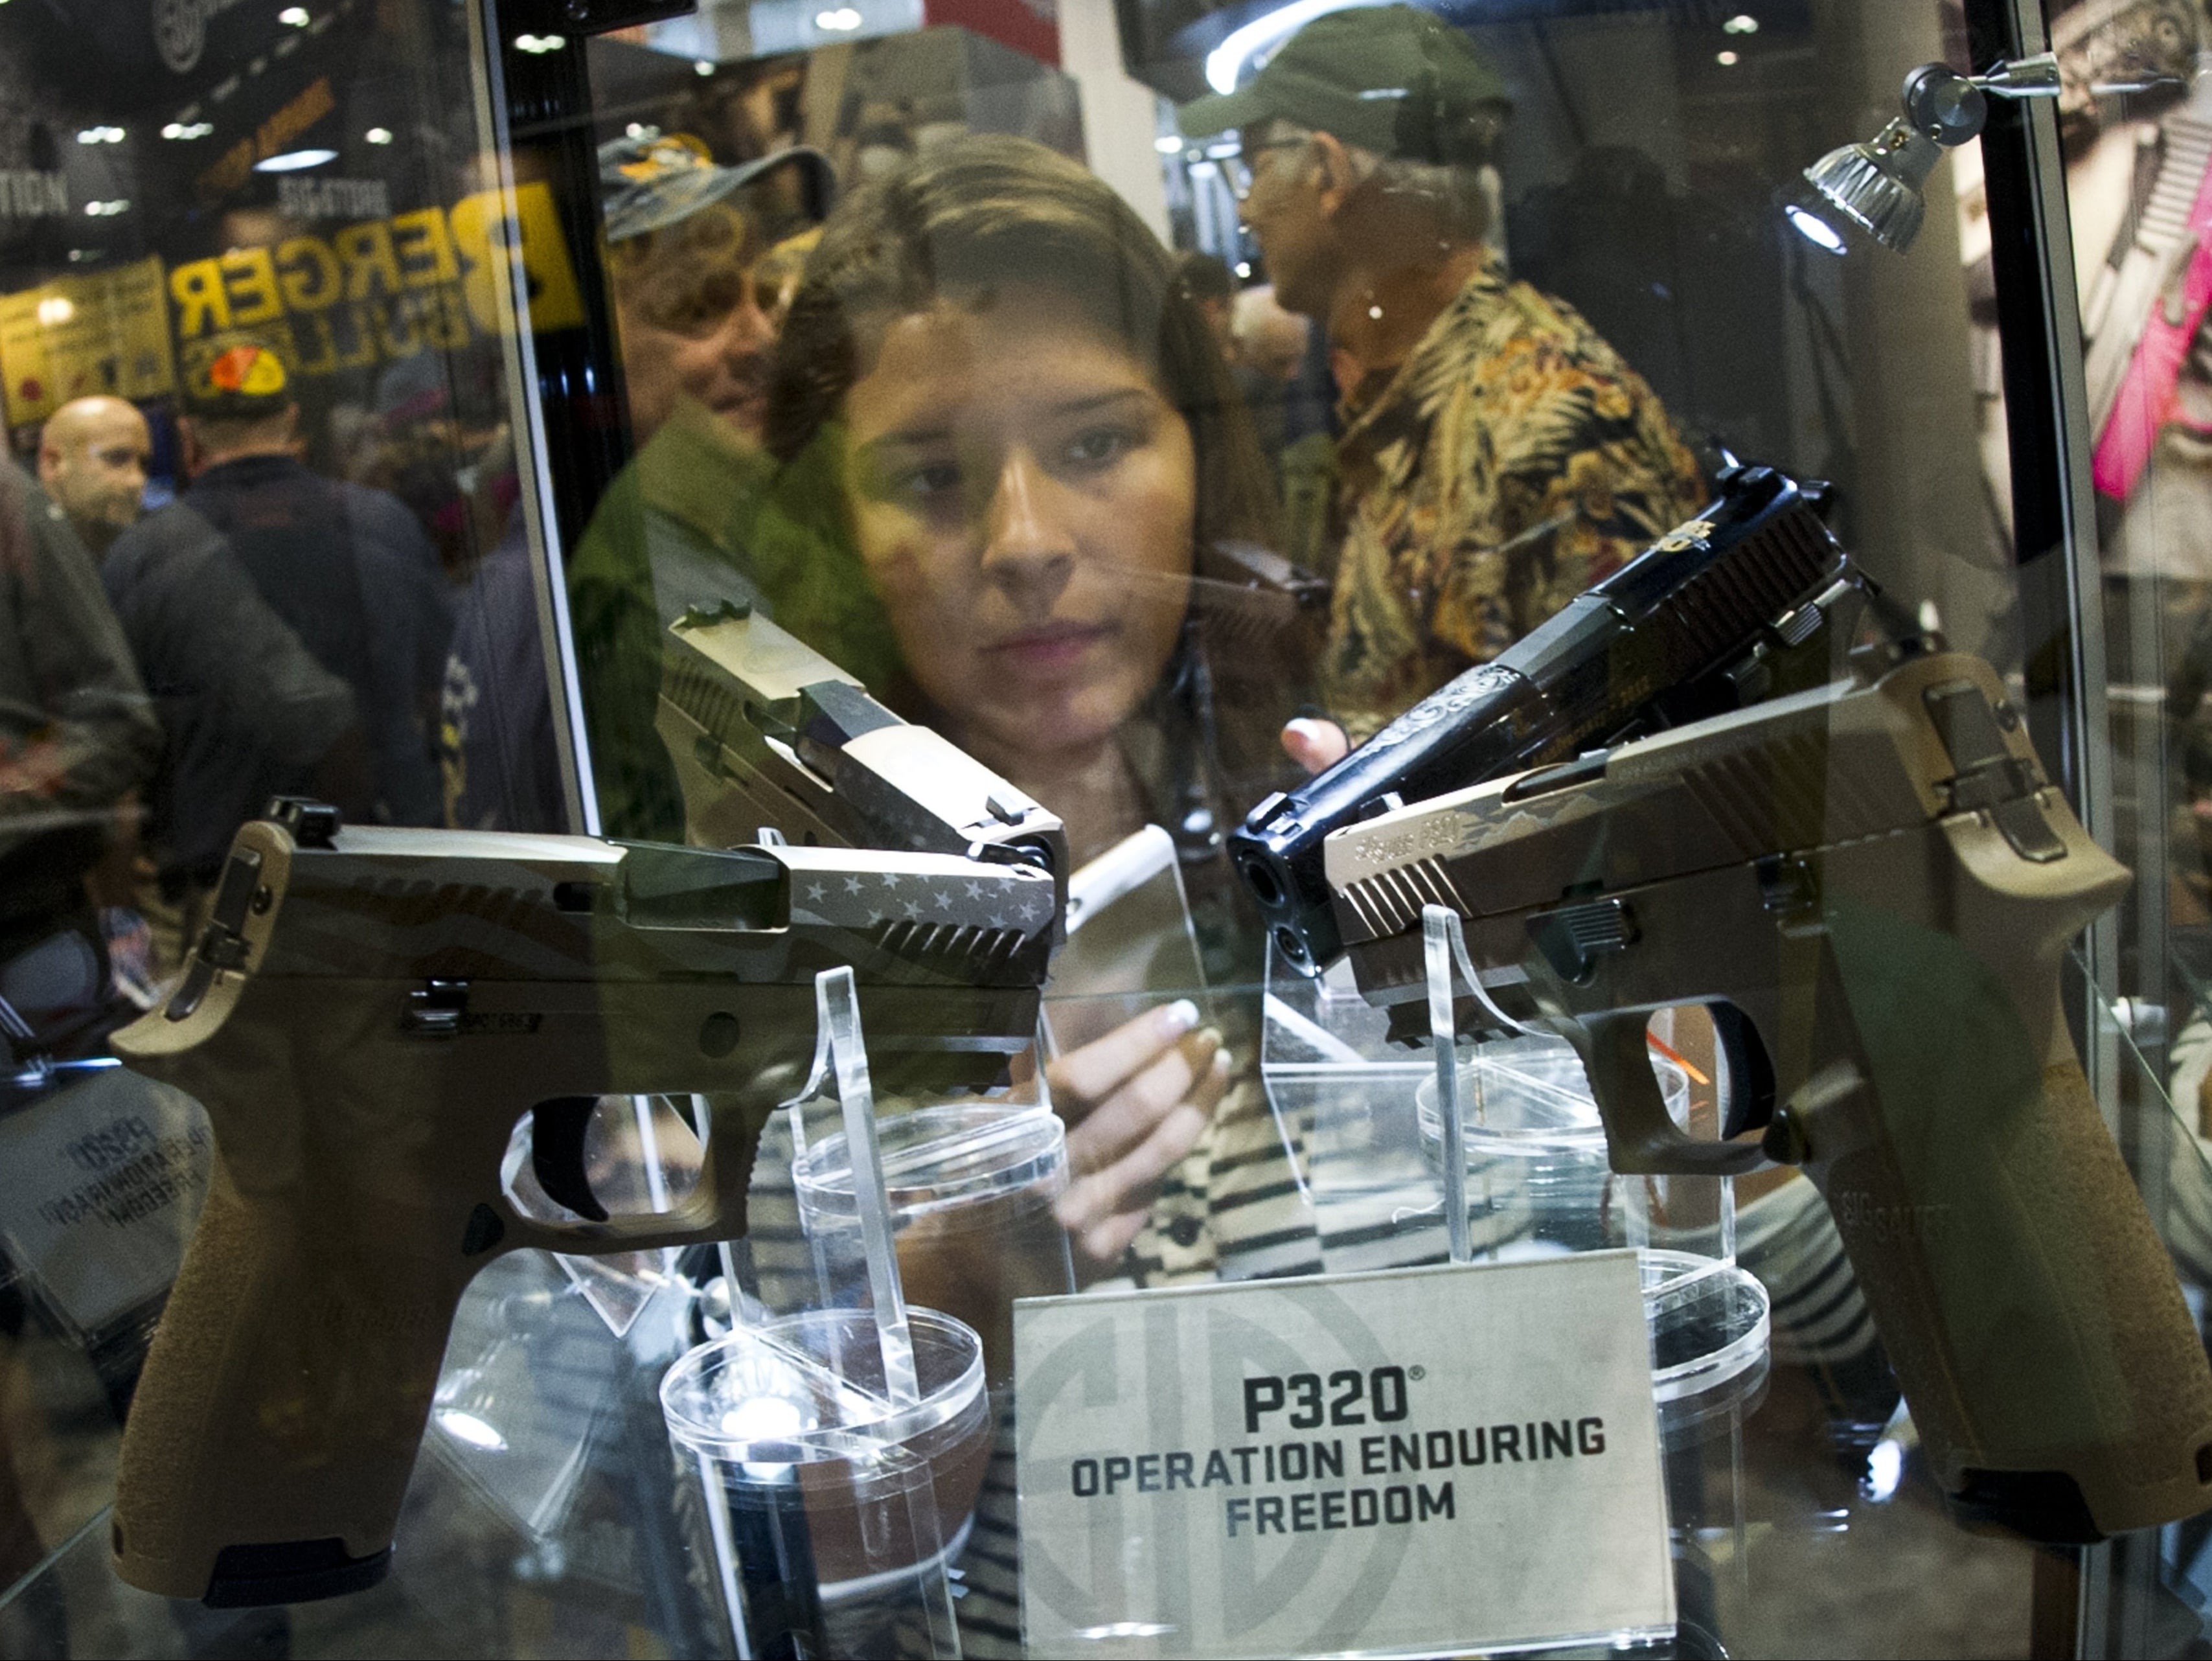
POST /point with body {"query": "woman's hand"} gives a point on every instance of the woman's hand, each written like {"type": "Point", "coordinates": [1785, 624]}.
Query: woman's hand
{"type": "Point", "coordinates": [1316, 745]}
{"type": "Point", "coordinates": [1136, 1101]}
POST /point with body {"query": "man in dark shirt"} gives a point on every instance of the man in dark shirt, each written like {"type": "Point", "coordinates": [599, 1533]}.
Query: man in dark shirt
{"type": "Point", "coordinates": [76, 738]}
{"type": "Point", "coordinates": [246, 710]}
{"type": "Point", "coordinates": [348, 569]}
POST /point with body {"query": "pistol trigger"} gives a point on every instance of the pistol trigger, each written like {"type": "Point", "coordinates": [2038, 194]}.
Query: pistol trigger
{"type": "Point", "coordinates": [558, 1126]}
{"type": "Point", "coordinates": [1750, 1072]}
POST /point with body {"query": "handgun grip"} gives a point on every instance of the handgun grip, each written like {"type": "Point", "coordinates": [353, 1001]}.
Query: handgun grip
{"type": "Point", "coordinates": [2055, 1377]}
{"type": "Point", "coordinates": [281, 1406]}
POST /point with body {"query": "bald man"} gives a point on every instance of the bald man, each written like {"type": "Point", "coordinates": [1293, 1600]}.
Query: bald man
{"type": "Point", "coordinates": [92, 457]}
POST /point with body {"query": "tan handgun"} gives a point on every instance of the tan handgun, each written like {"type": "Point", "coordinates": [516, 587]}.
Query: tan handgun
{"type": "Point", "coordinates": [370, 1015]}
{"type": "Point", "coordinates": [1873, 887]}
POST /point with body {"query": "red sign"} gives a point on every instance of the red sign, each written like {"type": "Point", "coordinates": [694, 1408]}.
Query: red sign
{"type": "Point", "coordinates": [1027, 26]}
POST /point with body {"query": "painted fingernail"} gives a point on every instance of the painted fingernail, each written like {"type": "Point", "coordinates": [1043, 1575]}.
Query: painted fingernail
{"type": "Point", "coordinates": [1179, 1017]}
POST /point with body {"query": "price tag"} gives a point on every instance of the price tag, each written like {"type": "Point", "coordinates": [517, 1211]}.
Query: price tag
{"type": "Point", "coordinates": [1452, 1457]}
{"type": "Point", "coordinates": [100, 1183]}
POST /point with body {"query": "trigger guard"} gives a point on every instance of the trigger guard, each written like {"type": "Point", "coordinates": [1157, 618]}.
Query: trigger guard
{"type": "Point", "coordinates": [1641, 1137]}
{"type": "Point", "coordinates": [557, 1128]}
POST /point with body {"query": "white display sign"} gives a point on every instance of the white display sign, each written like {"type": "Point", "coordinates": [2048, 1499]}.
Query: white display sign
{"type": "Point", "coordinates": [100, 1183]}
{"type": "Point", "coordinates": [1446, 1458]}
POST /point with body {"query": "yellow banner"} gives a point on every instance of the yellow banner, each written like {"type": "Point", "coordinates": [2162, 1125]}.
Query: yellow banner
{"type": "Point", "coordinates": [381, 290]}
{"type": "Point", "coordinates": [107, 332]}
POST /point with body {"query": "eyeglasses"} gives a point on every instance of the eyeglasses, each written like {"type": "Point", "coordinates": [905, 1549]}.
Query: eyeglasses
{"type": "Point", "coordinates": [1242, 176]}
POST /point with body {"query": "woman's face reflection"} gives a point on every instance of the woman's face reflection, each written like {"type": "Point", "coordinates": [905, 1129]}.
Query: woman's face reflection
{"type": "Point", "coordinates": [1023, 496]}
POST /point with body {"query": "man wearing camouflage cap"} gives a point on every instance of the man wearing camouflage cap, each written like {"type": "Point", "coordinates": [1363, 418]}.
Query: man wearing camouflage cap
{"type": "Point", "coordinates": [700, 259]}
{"type": "Point", "coordinates": [1496, 456]}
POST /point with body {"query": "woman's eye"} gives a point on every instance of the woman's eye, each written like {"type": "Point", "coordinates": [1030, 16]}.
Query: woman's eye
{"type": "Point", "coordinates": [1102, 446]}
{"type": "Point", "coordinates": [929, 480]}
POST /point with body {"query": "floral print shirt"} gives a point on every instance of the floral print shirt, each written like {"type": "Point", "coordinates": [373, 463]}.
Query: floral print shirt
{"type": "Point", "coordinates": [1512, 461]}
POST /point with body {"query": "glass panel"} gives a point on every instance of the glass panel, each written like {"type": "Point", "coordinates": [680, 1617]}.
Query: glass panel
{"type": "Point", "coordinates": [911, 442]}
{"type": "Point", "coordinates": [2137, 135]}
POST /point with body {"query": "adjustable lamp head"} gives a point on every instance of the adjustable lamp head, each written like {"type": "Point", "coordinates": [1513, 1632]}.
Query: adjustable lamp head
{"type": "Point", "coordinates": [1878, 185]}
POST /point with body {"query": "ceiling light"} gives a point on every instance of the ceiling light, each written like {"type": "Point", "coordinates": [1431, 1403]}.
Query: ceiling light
{"type": "Point", "coordinates": [1168, 145]}
{"type": "Point", "coordinates": [538, 45]}
{"type": "Point", "coordinates": [107, 210]}
{"type": "Point", "coordinates": [99, 135]}
{"type": "Point", "coordinates": [1726, 60]}
{"type": "Point", "coordinates": [55, 310]}
{"type": "Point", "coordinates": [188, 129]}
{"type": "Point", "coordinates": [469, 1428]}
{"type": "Point", "coordinates": [1243, 268]}
{"type": "Point", "coordinates": [295, 15]}
{"type": "Point", "coordinates": [294, 161]}
{"type": "Point", "coordinates": [378, 135]}
{"type": "Point", "coordinates": [841, 20]}
{"type": "Point", "coordinates": [702, 66]}
{"type": "Point", "coordinates": [1742, 23]}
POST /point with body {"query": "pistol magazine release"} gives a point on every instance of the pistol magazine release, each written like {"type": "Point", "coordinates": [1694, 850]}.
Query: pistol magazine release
{"type": "Point", "coordinates": [372, 1013]}
{"type": "Point", "coordinates": [1873, 886]}
{"type": "Point", "coordinates": [1738, 603]}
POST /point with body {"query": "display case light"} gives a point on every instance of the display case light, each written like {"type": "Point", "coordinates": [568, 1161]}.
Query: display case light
{"type": "Point", "coordinates": [1878, 185]}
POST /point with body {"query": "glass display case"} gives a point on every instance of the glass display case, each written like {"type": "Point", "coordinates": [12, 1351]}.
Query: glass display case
{"type": "Point", "coordinates": [572, 433]}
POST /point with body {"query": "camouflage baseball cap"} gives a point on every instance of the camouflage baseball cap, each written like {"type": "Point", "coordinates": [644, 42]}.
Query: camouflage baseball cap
{"type": "Point", "coordinates": [656, 180]}
{"type": "Point", "coordinates": [1393, 80]}
{"type": "Point", "coordinates": [244, 380]}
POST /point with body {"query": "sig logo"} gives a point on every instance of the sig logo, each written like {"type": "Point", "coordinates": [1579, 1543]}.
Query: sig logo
{"type": "Point", "coordinates": [180, 30]}
{"type": "Point", "coordinates": [1860, 1216]}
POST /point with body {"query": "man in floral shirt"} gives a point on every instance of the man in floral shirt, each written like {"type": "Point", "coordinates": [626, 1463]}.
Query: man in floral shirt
{"type": "Point", "coordinates": [1497, 456]}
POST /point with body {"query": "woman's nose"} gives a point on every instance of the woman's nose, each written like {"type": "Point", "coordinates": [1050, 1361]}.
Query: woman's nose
{"type": "Point", "coordinates": [1028, 545]}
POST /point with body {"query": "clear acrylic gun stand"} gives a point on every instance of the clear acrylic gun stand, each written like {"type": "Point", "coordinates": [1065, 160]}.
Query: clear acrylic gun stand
{"type": "Point", "coordinates": [1534, 1181]}
{"type": "Point", "coordinates": [838, 1451]}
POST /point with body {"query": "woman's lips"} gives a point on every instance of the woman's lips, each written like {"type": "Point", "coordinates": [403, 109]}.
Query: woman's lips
{"type": "Point", "coordinates": [1053, 646]}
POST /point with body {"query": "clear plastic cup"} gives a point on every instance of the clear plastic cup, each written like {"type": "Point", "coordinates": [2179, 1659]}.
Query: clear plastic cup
{"type": "Point", "coordinates": [829, 1513]}
{"type": "Point", "coordinates": [1535, 1149]}
{"type": "Point", "coordinates": [1539, 1182]}
{"type": "Point", "coordinates": [971, 1189]}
